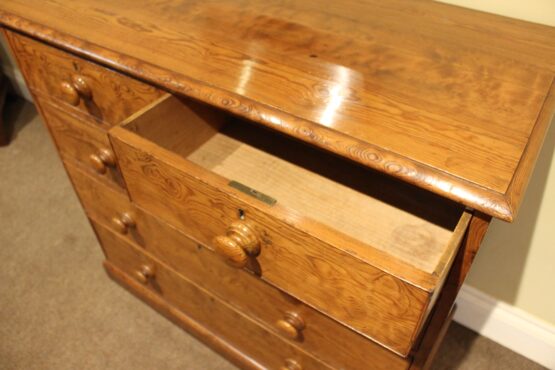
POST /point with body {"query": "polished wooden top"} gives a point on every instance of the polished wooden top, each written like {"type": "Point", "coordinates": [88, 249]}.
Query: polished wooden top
{"type": "Point", "coordinates": [448, 99]}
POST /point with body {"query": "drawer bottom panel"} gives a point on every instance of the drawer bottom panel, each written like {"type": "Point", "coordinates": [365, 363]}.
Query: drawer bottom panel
{"type": "Point", "coordinates": [229, 332]}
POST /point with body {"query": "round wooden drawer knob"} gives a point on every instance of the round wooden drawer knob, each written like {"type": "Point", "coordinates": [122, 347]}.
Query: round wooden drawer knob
{"type": "Point", "coordinates": [103, 159]}
{"type": "Point", "coordinates": [81, 86]}
{"type": "Point", "coordinates": [76, 89]}
{"type": "Point", "coordinates": [144, 274]}
{"type": "Point", "coordinates": [291, 364]}
{"type": "Point", "coordinates": [70, 93]}
{"type": "Point", "coordinates": [240, 242]}
{"type": "Point", "coordinates": [123, 222]}
{"type": "Point", "coordinates": [291, 326]}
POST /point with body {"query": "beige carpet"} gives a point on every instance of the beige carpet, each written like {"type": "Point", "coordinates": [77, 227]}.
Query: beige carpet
{"type": "Point", "coordinates": [58, 309]}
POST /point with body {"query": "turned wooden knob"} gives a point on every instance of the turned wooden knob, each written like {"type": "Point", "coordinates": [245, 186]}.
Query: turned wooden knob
{"type": "Point", "coordinates": [240, 242]}
{"type": "Point", "coordinates": [76, 89]}
{"type": "Point", "coordinates": [80, 85]}
{"type": "Point", "coordinates": [70, 93]}
{"type": "Point", "coordinates": [103, 159]}
{"type": "Point", "coordinates": [144, 274]}
{"type": "Point", "coordinates": [123, 222]}
{"type": "Point", "coordinates": [291, 325]}
{"type": "Point", "coordinates": [291, 364]}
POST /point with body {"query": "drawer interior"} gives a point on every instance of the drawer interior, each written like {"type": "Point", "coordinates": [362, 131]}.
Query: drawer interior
{"type": "Point", "coordinates": [408, 223]}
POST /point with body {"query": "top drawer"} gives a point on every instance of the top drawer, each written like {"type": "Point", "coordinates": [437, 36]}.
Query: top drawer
{"type": "Point", "coordinates": [365, 249]}
{"type": "Point", "coordinates": [107, 96]}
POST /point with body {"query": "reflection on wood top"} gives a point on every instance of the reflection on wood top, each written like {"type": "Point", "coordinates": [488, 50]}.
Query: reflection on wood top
{"type": "Point", "coordinates": [451, 100]}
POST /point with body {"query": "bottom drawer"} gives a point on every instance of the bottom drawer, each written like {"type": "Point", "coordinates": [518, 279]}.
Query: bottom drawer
{"type": "Point", "coordinates": [263, 349]}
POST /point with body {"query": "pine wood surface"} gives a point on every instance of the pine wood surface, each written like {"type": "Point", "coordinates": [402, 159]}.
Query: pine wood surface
{"type": "Point", "coordinates": [451, 100]}
{"type": "Point", "coordinates": [265, 348]}
{"type": "Point", "coordinates": [325, 338]}
{"type": "Point", "coordinates": [426, 346]}
{"type": "Point", "coordinates": [439, 96]}
{"type": "Point", "coordinates": [315, 257]}
{"type": "Point", "coordinates": [330, 200]}
{"type": "Point", "coordinates": [78, 139]}
{"type": "Point", "coordinates": [113, 96]}
{"type": "Point", "coordinates": [181, 319]}
{"type": "Point", "coordinates": [292, 260]}
{"type": "Point", "coordinates": [100, 202]}
{"type": "Point", "coordinates": [403, 221]}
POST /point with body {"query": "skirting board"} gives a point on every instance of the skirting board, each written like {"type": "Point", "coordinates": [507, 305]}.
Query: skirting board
{"type": "Point", "coordinates": [506, 325]}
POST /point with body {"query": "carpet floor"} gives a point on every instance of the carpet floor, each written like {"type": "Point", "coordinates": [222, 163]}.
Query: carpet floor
{"type": "Point", "coordinates": [59, 310]}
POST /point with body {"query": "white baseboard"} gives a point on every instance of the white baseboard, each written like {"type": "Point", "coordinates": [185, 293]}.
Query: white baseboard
{"type": "Point", "coordinates": [507, 325]}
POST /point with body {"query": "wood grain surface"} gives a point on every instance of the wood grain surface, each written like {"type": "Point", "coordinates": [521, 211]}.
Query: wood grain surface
{"type": "Point", "coordinates": [333, 192]}
{"type": "Point", "coordinates": [430, 338]}
{"type": "Point", "coordinates": [99, 201]}
{"type": "Point", "coordinates": [453, 101]}
{"type": "Point", "coordinates": [439, 96]}
{"type": "Point", "coordinates": [178, 317]}
{"type": "Point", "coordinates": [78, 139]}
{"type": "Point", "coordinates": [336, 344]}
{"type": "Point", "coordinates": [324, 269]}
{"type": "Point", "coordinates": [267, 349]}
{"type": "Point", "coordinates": [325, 338]}
{"type": "Point", "coordinates": [47, 70]}
{"type": "Point", "coordinates": [403, 221]}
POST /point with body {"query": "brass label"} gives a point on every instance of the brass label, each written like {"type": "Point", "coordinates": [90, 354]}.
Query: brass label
{"type": "Point", "coordinates": [253, 193]}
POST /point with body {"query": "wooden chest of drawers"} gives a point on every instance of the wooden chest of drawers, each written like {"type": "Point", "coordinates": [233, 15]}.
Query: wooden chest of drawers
{"type": "Point", "coordinates": [292, 211]}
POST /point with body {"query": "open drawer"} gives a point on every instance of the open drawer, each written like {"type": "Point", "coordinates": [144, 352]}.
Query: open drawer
{"type": "Point", "coordinates": [363, 248]}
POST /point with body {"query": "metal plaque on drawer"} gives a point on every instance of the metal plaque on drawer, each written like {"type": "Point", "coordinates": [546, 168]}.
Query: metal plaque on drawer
{"type": "Point", "coordinates": [253, 193]}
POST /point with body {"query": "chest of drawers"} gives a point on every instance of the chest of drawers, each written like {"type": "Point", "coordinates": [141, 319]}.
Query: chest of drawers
{"type": "Point", "coordinates": [296, 196]}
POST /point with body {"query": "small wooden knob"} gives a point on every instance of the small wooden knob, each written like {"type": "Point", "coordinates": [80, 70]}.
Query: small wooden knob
{"type": "Point", "coordinates": [291, 325]}
{"type": "Point", "coordinates": [70, 93]}
{"type": "Point", "coordinates": [80, 85]}
{"type": "Point", "coordinates": [123, 222]}
{"type": "Point", "coordinates": [240, 242]}
{"type": "Point", "coordinates": [291, 364]}
{"type": "Point", "coordinates": [103, 159]}
{"type": "Point", "coordinates": [144, 274]}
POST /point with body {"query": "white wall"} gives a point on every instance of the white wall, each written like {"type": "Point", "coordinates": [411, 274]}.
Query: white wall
{"type": "Point", "coordinates": [538, 11]}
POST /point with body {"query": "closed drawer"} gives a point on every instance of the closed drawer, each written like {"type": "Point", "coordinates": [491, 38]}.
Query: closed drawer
{"type": "Point", "coordinates": [265, 348]}
{"type": "Point", "coordinates": [79, 85]}
{"type": "Point", "coordinates": [100, 202]}
{"type": "Point", "coordinates": [366, 250]}
{"type": "Point", "coordinates": [303, 326]}
{"type": "Point", "coordinates": [82, 142]}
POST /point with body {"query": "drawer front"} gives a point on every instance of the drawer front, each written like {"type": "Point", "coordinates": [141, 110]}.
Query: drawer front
{"type": "Point", "coordinates": [79, 140]}
{"type": "Point", "coordinates": [222, 320]}
{"type": "Point", "coordinates": [340, 284]}
{"type": "Point", "coordinates": [287, 317]}
{"type": "Point", "coordinates": [79, 85]}
{"type": "Point", "coordinates": [101, 203]}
